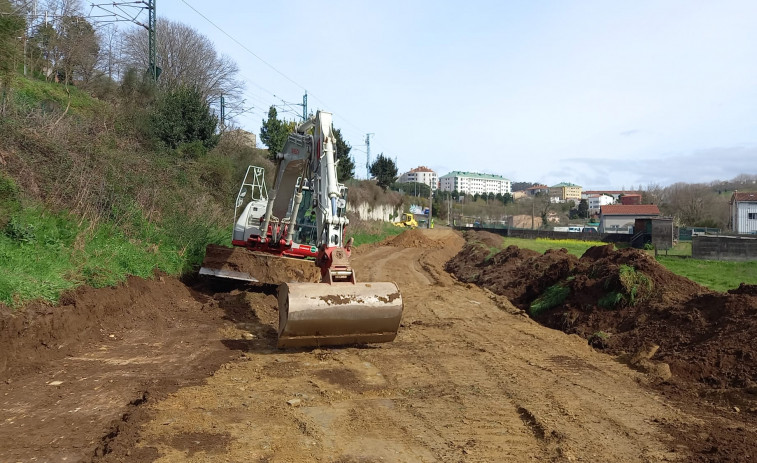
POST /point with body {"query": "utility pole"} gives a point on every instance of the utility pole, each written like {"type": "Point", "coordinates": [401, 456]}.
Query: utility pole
{"type": "Point", "coordinates": [368, 155]}
{"type": "Point", "coordinates": [223, 113]}
{"type": "Point", "coordinates": [430, 204]}
{"type": "Point", "coordinates": [305, 106]}
{"type": "Point", "coordinates": [151, 19]}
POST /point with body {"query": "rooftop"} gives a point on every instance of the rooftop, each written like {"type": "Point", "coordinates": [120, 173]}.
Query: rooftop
{"type": "Point", "coordinates": [745, 196]}
{"type": "Point", "coordinates": [623, 209]}
{"type": "Point", "coordinates": [421, 169]}
{"type": "Point", "coordinates": [458, 173]}
{"type": "Point", "coordinates": [565, 184]}
{"type": "Point", "coordinates": [610, 192]}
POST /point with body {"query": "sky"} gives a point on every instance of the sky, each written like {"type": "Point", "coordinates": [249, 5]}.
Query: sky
{"type": "Point", "coordinates": [604, 94]}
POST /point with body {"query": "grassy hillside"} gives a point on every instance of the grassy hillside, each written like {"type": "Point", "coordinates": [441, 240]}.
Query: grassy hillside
{"type": "Point", "coordinates": [88, 197]}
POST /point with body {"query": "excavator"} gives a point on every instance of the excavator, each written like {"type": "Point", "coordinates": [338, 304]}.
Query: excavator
{"type": "Point", "coordinates": [304, 217]}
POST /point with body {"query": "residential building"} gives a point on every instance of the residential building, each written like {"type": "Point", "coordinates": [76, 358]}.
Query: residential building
{"type": "Point", "coordinates": [744, 212]}
{"type": "Point", "coordinates": [620, 218]}
{"type": "Point", "coordinates": [595, 202]}
{"type": "Point", "coordinates": [537, 189]}
{"type": "Point", "coordinates": [421, 174]}
{"type": "Point", "coordinates": [564, 191]}
{"type": "Point", "coordinates": [616, 194]}
{"type": "Point", "coordinates": [472, 183]}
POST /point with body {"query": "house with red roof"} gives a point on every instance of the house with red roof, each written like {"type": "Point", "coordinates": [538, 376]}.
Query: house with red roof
{"type": "Point", "coordinates": [620, 218]}
{"type": "Point", "coordinates": [744, 212]}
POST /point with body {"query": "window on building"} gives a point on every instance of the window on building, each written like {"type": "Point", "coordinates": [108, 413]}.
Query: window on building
{"type": "Point", "coordinates": [752, 215]}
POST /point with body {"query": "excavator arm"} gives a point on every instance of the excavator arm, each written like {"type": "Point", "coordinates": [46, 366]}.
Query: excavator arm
{"type": "Point", "coordinates": [339, 310]}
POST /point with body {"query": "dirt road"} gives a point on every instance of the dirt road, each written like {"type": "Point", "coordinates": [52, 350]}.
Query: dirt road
{"type": "Point", "coordinates": [469, 378]}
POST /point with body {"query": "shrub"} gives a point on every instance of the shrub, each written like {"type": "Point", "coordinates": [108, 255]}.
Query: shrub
{"type": "Point", "coordinates": [182, 116]}
{"type": "Point", "coordinates": [9, 199]}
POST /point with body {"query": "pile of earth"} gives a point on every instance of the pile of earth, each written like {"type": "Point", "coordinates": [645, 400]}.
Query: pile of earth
{"type": "Point", "coordinates": [415, 238]}
{"type": "Point", "coordinates": [625, 302]}
{"type": "Point", "coordinates": [266, 268]}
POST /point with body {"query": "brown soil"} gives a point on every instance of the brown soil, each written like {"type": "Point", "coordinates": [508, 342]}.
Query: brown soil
{"type": "Point", "coordinates": [173, 371]}
{"type": "Point", "coordinates": [661, 323]}
{"type": "Point", "coordinates": [265, 268]}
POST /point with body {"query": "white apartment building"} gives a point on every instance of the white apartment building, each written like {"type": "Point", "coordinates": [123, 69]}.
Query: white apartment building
{"type": "Point", "coordinates": [597, 201]}
{"type": "Point", "coordinates": [420, 174]}
{"type": "Point", "coordinates": [472, 183]}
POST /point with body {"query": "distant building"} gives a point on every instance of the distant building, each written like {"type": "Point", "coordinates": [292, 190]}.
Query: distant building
{"type": "Point", "coordinates": [596, 202]}
{"type": "Point", "coordinates": [631, 199]}
{"type": "Point", "coordinates": [472, 183]}
{"type": "Point", "coordinates": [421, 174]}
{"type": "Point", "coordinates": [537, 189]}
{"type": "Point", "coordinates": [616, 194]}
{"type": "Point", "coordinates": [242, 137]}
{"type": "Point", "coordinates": [619, 218]}
{"type": "Point", "coordinates": [564, 191]}
{"type": "Point", "coordinates": [744, 212]}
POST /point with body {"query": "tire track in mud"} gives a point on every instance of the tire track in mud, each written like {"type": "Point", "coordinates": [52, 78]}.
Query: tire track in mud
{"type": "Point", "coordinates": [465, 381]}
{"type": "Point", "coordinates": [551, 440]}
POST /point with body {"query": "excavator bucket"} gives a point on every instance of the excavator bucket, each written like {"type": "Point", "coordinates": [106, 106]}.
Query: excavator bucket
{"type": "Point", "coordinates": [322, 314]}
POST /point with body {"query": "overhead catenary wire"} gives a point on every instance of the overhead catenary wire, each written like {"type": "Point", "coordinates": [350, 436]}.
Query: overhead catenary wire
{"type": "Point", "coordinates": [337, 114]}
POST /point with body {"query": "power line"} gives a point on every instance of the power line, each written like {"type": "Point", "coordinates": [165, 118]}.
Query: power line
{"type": "Point", "coordinates": [243, 46]}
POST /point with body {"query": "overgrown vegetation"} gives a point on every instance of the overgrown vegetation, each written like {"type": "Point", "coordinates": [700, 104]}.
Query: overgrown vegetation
{"type": "Point", "coordinates": [551, 297]}
{"type": "Point", "coordinates": [636, 285]}
{"type": "Point", "coordinates": [368, 232]}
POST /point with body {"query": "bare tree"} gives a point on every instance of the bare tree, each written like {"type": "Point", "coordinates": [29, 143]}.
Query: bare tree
{"type": "Point", "coordinates": [187, 58]}
{"type": "Point", "coordinates": [695, 205]}
{"type": "Point", "coordinates": [79, 47]}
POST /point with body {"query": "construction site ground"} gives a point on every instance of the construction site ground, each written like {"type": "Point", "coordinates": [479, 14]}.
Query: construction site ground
{"type": "Point", "coordinates": [187, 371]}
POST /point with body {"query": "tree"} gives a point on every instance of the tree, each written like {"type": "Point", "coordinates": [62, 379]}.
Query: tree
{"type": "Point", "coordinates": [384, 170]}
{"type": "Point", "coordinates": [186, 58]}
{"type": "Point", "coordinates": [182, 116]}
{"type": "Point", "coordinates": [79, 49]}
{"type": "Point", "coordinates": [507, 198]}
{"type": "Point", "coordinates": [345, 168]}
{"type": "Point", "coordinates": [583, 209]}
{"type": "Point", "coordinates": [11, 27]}
{"type": "Point", "coordinates": [274, 133]}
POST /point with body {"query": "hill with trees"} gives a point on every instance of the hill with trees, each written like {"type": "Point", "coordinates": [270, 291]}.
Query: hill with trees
{"type": "Point", "coordinates": [105, 172]}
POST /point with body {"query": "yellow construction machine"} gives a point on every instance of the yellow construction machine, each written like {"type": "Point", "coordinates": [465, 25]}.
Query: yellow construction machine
{"type": "Point", "coordinates": [303, 217]}
{"type": "Point", "coordinates": [408, 221]}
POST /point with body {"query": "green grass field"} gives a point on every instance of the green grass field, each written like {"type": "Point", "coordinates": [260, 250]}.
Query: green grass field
{"type": "Point", "coordinates": [575, 247]}
{"type": "Point", "coordinates": [716, 275]}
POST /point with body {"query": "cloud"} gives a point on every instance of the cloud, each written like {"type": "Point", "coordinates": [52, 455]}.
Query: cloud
{"type": "Point", "coordinates": [701, 166]}
{"type": "Point", "coordinates": [629, 133]}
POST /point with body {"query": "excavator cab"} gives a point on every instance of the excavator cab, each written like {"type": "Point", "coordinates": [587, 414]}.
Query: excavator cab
{"type": "Point", "coordinates": [304, 217]}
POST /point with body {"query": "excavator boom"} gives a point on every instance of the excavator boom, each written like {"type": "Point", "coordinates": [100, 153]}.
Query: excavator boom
{"type": "Point", "coordinates": [304, 216]}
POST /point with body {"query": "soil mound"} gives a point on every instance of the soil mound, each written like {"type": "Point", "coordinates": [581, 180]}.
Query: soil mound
{"type": "Point", "coordinates": [624, 301]}
{"type": "Point", "coordinates": [265, 268]}
{"type": "Point", "coordinates": [414, 239]}
{"type": "Point", "coordinates": [42, 332]}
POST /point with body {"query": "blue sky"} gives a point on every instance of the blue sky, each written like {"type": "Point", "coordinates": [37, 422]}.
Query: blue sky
{"type": "Point", "coordinates": [605, 94]}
